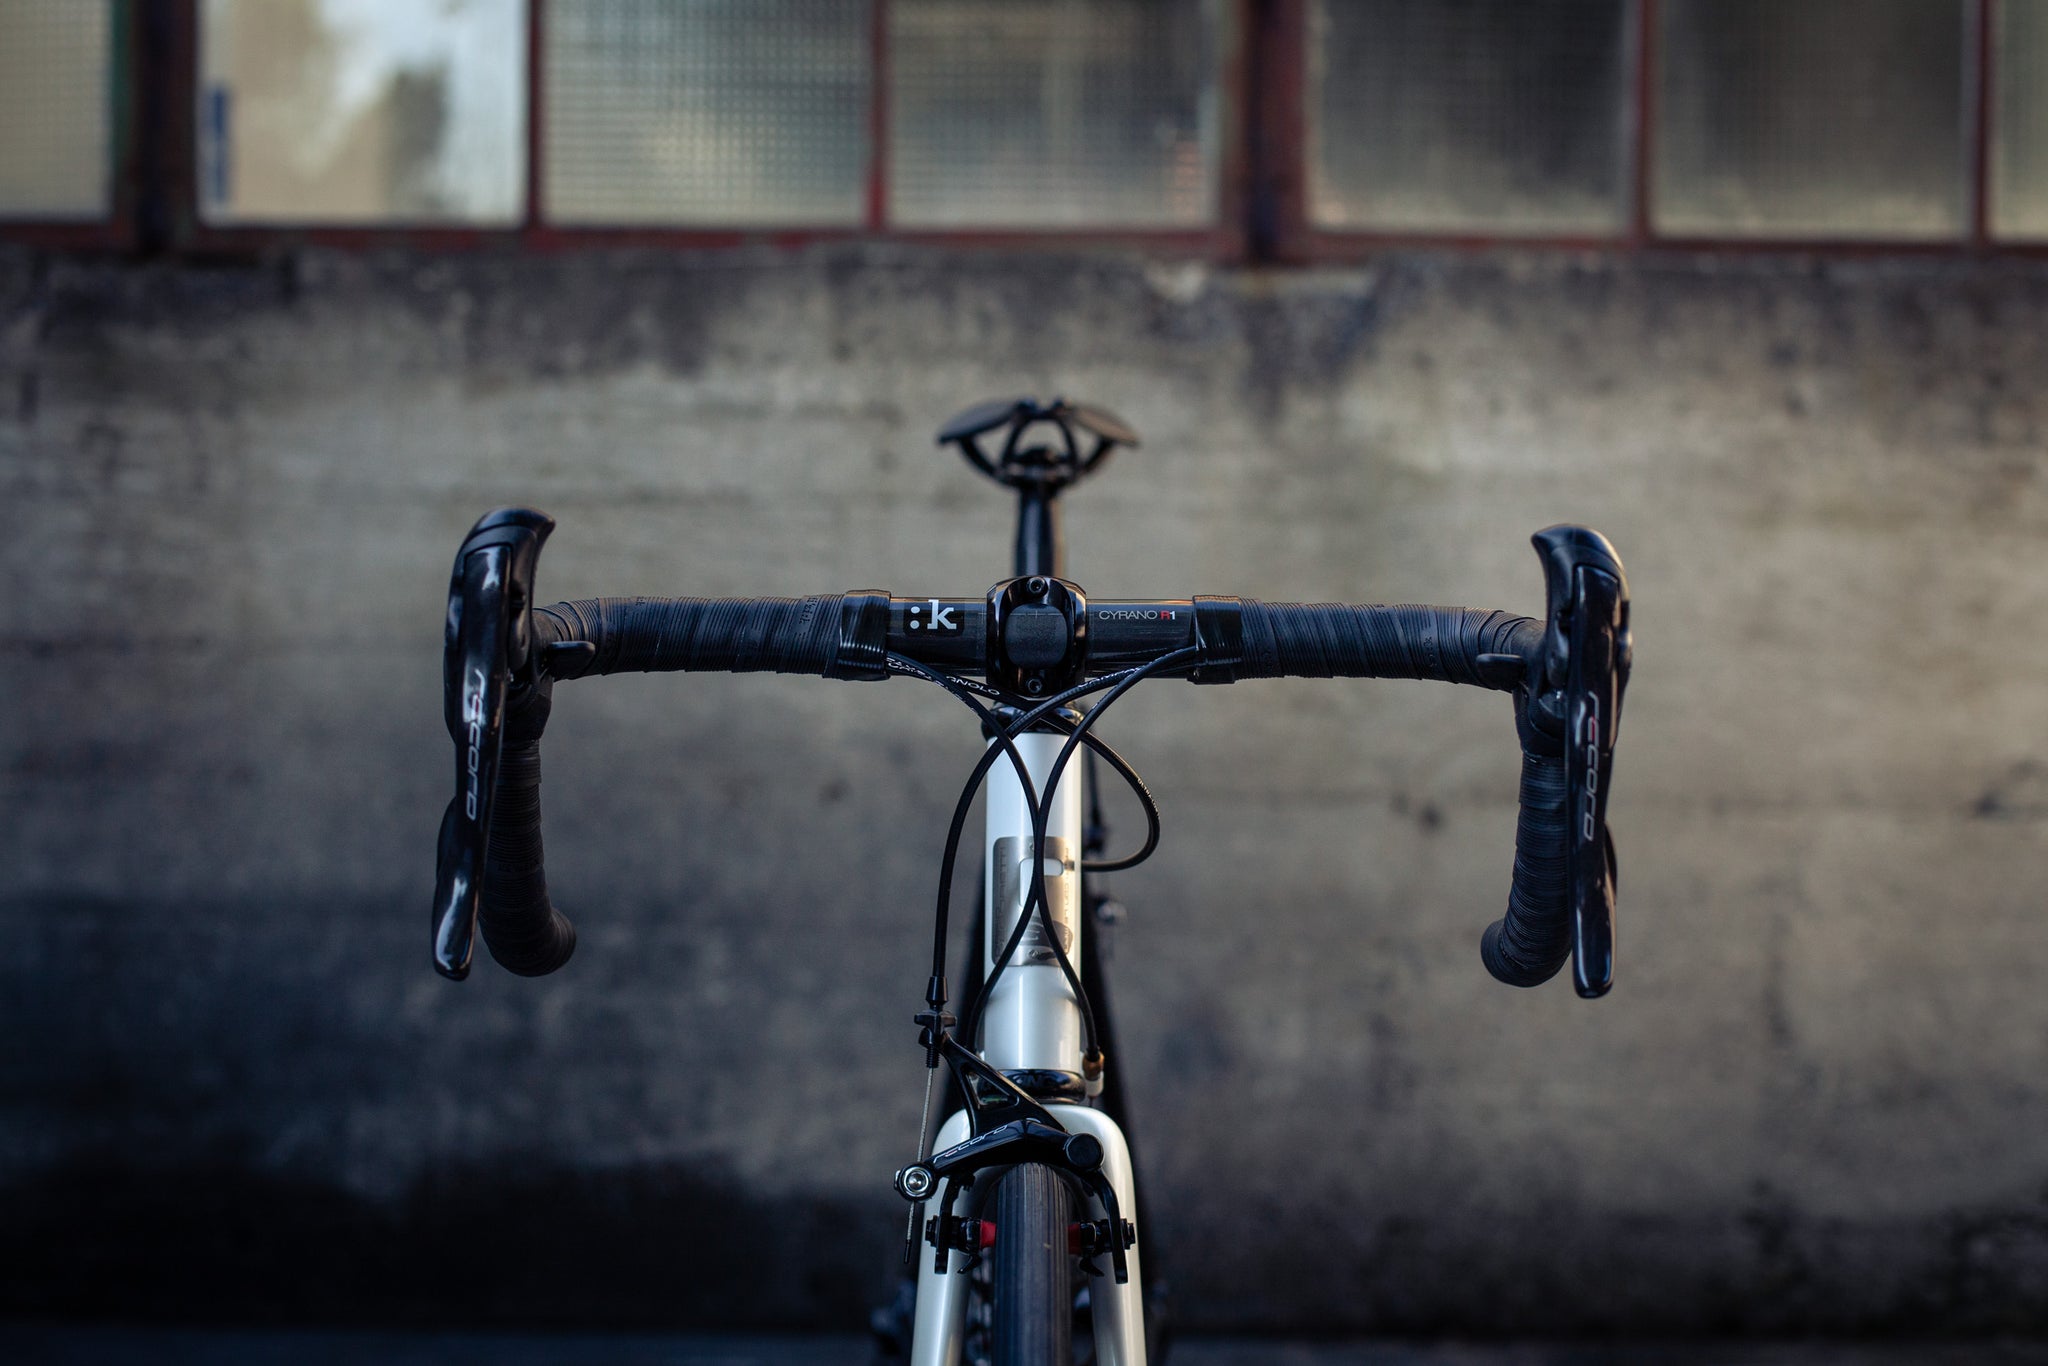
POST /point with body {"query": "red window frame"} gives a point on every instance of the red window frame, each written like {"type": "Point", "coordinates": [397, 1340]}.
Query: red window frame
{"type": "Point", "coordinates": [1284, 116]}
{"type": "Point", "coordinates": [1224, 239]}
{"type": "Point", "coordinates": [1261, 192]}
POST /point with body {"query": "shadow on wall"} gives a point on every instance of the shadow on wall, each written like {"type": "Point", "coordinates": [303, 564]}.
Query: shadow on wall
{"type": "Point", "coordinates": [662, 1247]}
{"type": "Point", "coordinates": [656, 1246]}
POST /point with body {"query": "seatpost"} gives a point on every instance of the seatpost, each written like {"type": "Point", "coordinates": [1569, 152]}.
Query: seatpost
{"type": "Point", "coordinates": [1040, 547]}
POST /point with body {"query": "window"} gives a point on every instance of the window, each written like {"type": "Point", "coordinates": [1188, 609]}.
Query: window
{"type": "Point", "coordinates": [1830, 118]}
{"type": "Point", "coordinates": [2019, 122]}
{"type": "Point", "coordinates": [56, 99]}
{"type": "Point", "coordinates": [696, 112]}
{"type": "Point", "coordinates": [362, 111]}
{"type": "Point", "coordinates": [686, 115]}
{"type": "Point", "coordinates": [1054, 113]}
{"type": "Point", "coordinates": [1283, 129]}
{"type": "Point", "coordinates": [1469, 115]}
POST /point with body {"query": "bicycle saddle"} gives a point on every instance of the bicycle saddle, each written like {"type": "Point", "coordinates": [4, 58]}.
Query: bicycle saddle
{"type": "Point", "coordinates": [1044, 466]}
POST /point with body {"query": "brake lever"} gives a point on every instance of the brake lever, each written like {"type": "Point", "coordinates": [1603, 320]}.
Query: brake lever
{"type": "Point", "coordinates": [1587, 652]}
{"type": "Point", "coordinates": [488, 647]}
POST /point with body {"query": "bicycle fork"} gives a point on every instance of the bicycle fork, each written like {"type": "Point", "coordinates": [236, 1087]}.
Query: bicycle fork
{"type": "Point", "coordinates": [940, 1334]}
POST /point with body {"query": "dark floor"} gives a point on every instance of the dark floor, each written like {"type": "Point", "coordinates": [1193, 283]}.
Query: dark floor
{"type": "Point", "coordinates": [68, 1345]}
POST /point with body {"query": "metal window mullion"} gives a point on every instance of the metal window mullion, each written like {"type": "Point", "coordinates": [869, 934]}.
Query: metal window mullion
{"type": "Point", "coordinates": [1980, 83]}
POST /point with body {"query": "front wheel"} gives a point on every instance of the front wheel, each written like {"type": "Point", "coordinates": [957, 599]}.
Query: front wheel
{"type": "Point", "coordinates": [1032, 1323]}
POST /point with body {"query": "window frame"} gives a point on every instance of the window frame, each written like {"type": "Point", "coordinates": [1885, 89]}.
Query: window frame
{"type": "Point", "coordinates": [1284, 142]}
{"type": "Point", "coordinates": [1224, 239]}
{"type": "Point", "coordinates": [1262, 211]}
{"type": "Point", "coordinates": [116, 231]}
{"type": "Point", "coordinates": [188, 230]}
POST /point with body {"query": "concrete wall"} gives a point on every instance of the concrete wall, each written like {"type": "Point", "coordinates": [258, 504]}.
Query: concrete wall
{"type": "Point", "coordinates": [232, 1085]}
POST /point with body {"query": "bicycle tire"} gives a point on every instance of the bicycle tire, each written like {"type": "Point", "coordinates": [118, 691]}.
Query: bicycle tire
{"type": "Point", "coordinates": [1033, 1273]}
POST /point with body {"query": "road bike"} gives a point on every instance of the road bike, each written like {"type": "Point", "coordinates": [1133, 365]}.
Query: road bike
{"type": "Point", "coordinates": [1023, 1216]}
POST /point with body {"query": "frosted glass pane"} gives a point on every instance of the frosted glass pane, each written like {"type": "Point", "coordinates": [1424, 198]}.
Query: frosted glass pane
{"type": "Point", "coordinates": [730, 112]}
{"type": "Point", "coordinates": [1834, 118]}
{"type": "Point", "coordinates": [2019, 128]}
{"type": "Point", "coordinates": [1054, 113]}
{"type": "Point", "coordinates": [362, 111]}
{"type": "Point", "coordinates": [56, 145]}
{"type": "Point", "coordinates": [1477, 115]}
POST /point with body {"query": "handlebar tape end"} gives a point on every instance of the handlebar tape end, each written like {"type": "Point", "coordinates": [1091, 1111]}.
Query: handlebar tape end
{"type": "Point", "coordinates": [1528, 944]}
{"type": "Point", "coordinates": [535, 954]}
{"type": "Point", "coordinates": [1508, 969]}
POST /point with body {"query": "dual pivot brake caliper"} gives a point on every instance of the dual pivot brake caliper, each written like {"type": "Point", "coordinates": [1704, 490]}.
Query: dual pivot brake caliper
{"type": "Point", "coordinates": [1009, 1129]}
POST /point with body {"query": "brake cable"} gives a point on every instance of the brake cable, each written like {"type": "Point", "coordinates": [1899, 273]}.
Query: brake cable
{"type": "Point", "coordinates": [1005, 744]}
{"type": "Point", "coordinates": [1035, 902]}
{"type": "Point", "coordinates": [1044, 711]}
{"type": "Point", "coordinates": [1041, 818]}
{"type": "Point", "coordinates": [1097, 747]}
{"type": "Point", "coordinates": [935, 993]}
{"type": "Point", "coordinates": [961, 810]}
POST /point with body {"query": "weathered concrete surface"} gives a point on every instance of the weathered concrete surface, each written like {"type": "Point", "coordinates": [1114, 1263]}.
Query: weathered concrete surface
{"type": "Point", "coordinates": [1816, 1101]}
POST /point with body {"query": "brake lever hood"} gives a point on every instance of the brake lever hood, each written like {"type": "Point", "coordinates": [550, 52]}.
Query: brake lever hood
{"type": "Point", "coordinates": [488, 645]}
{"type": "Point", "coordinates": [1587, 653]}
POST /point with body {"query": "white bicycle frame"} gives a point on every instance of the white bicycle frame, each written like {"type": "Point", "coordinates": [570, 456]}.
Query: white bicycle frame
{"type": "Point", "coordinates": [1033, 1023]}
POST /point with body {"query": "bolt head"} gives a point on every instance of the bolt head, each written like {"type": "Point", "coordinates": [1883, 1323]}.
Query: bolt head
{"type": "Point", "coordinates": [1084, 1151]}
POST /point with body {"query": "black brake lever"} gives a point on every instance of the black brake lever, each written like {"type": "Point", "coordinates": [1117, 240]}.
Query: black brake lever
{"type": "Point", "coordinates": [1587, 652]}
{"type": "Point", "coordinates": [488, 647]}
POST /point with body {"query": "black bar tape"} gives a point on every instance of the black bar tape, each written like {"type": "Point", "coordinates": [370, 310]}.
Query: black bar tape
{"type": "Point", "coordinates": [846, 637]}
{"type": "Point", "coordinates": [520, 926]}
{"type": "Point", "coordinates": [838, 637]}
{"type": "Point", "coordinates": [1527, 945]}
{"type": "Point", "coordinates": [1329, 640]}
{"type": "Point", "coordinates": [863, 648]}
{"type": "Point", "coordinates": [1219, 630]}
{"type": "Point", "coordinates": [1248, 639]}
{"type": "Point", "coordinates": [842, 636]}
